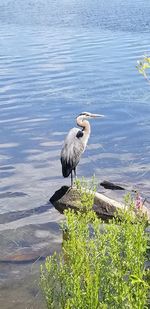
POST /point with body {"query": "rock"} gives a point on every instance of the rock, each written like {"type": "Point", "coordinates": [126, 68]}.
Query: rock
{"type": "Point", "coordinates": [110, 185]}
{"type": "Point", "coordinates": [104, 207]}
{"type": "Point", "coordinates": [65, 198]}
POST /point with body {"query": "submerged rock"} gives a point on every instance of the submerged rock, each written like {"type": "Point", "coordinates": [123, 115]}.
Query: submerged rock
{"type": "Point", "coordinates": [110, 185]}
{"type": "Point", "coordinates": [105, 207]}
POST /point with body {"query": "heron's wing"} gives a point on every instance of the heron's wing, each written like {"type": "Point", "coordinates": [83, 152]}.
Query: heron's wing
{"type": "Point", "coordinates": [71, 152]}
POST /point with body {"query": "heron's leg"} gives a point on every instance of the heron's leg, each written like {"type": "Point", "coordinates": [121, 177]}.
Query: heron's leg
{"type": "Point", "coordinates": [71, 179]}
{"type": "Point", "coordinates": [75, 174]}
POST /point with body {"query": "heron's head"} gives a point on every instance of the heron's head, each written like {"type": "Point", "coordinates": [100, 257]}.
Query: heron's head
{"type": "Point", "coordinates": [87, 115]}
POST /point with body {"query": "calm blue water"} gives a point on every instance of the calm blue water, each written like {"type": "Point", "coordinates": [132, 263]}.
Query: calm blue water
{"type": "Point", "coordinates": [58, 58]}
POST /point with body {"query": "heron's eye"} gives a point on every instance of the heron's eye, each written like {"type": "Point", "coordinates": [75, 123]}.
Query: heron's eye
{"type": "Point", "coordinates": [84, 114]}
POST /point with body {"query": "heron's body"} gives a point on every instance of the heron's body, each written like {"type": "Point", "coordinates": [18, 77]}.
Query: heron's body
{"type": "Point", "coordinates": [73, 148]}
{"type": "Point", "coordinates": [75, 144]}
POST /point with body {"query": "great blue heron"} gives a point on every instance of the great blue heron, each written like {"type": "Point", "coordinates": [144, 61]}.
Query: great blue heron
{"type": "Point", "coordinates": [75, 144]}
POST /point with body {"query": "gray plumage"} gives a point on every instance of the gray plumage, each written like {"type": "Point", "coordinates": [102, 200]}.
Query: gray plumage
{"type": "Point", "coordinates": [75, 144]}
{"type": "Point", "coordinates": [71, 151]}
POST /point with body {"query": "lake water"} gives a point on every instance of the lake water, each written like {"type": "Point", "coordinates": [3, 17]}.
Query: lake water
{"type": "Point", "coordinates": [57, 59]}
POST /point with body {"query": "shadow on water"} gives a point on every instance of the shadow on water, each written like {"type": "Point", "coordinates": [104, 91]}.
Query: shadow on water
{"type": "Point", "coordinates": [16, 215]}
{"type": "Point", "coordinates": [11, 194]}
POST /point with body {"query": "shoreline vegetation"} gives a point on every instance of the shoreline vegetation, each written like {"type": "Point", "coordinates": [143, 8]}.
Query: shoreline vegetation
{"type": "Point", "coordinates": [143, 66]}
{"type": "Point", "coordinates": [101, 265]}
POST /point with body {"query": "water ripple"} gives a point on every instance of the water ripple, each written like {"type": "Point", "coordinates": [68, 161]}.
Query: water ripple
{"type": "Point", "coordinates": [58, 59]}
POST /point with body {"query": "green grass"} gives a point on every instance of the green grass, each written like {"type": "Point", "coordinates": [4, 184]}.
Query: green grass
{"type": "Point", "coordinates": [100, 265]}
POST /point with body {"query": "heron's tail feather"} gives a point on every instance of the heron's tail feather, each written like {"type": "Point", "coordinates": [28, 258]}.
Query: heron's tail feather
{"type": "Point", "coordinates": [67, 167]}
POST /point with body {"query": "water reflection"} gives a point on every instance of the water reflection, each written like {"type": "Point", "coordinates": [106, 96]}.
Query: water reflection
{"type": "Point", "coordinates": [57, 59]}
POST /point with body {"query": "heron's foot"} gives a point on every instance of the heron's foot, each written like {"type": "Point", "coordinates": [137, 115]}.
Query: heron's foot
{"type": "Point", "coordinates": [74, 186]}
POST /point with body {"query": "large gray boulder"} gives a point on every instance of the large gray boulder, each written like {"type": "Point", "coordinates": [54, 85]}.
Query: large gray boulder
{"type": "Point", "coordinates": [105, 207]}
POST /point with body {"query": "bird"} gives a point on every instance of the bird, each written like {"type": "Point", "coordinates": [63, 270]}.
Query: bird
{"type": "Point", "coordinates": [75, 144]}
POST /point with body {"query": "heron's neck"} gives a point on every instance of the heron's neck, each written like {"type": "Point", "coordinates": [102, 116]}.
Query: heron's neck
{"type": "Point", "coordinates": [84, 124]}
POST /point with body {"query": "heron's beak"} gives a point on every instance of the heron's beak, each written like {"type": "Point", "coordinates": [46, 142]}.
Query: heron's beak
{"type": "Point", "coordinates": [97, 116]}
